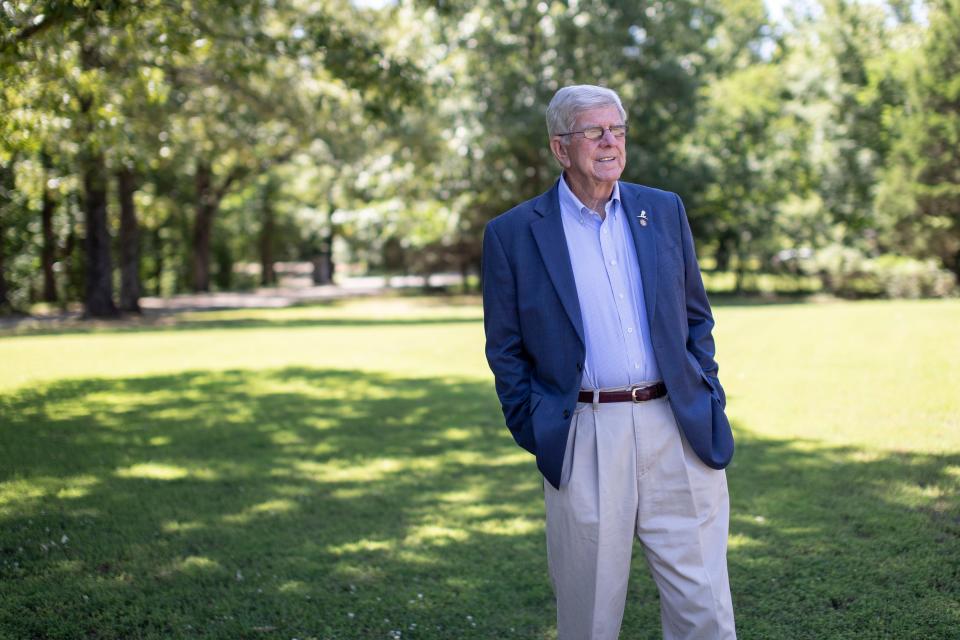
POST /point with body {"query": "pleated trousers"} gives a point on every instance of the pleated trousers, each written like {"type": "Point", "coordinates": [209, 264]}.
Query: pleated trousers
{"type": "Point", "coordinates": [628, 471]}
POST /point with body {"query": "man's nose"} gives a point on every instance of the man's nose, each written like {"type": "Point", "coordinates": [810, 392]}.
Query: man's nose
{"type": "Point", "coordinates": [608, 136]}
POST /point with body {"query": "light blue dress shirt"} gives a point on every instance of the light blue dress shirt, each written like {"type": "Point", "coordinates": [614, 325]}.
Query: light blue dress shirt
{"type": "Point", "coordinates": [607, 273]}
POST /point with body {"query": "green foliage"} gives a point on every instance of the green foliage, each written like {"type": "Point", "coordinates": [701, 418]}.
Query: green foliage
{"type": "Point", "coordinates": [928, 167]}
{"type": "Point", "coordinates": [394, 133]}
{"type": "Point", "coordinates": [847, 272]}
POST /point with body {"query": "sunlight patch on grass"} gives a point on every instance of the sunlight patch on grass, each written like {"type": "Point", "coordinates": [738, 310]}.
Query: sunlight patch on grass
{"type": "Point", "coordinates": [321, 423]}
{"type": "Point", "coordinates": [77, 487]}
{"type": "Point", "coordinates": [159, 471]}
{"type": "Point", "coordinates": [267, 508]}
{"type": "Point", "coordinates": [285, 438]}
{"type": "Point", "coordinates": [21, 494]}
{"type": "Point", "coordinates": [352, 471]}
{"type": "Point", "coordinates": [433, 534]}
{"type": "Point", "coordinates": [322, 450]}
{"type": "Point", "coordinates": [910, 494]}
{"type": "Point", "coordinates": [195, 564]}
{"type": "Point", "coordinates": [359, 573]}
{"type": "Point", "coordinates": [740, 541]}
{"type": "Point", "coordinates": [511, 527]}
{"type": "Point", "coordinates": [18, 493]}
{"type": "Point", "coordinates": [294, 586]}
{"type": "Point", "coordinates": [465, 496]}
{"type": "Point", "coordinates": [365, 545]}
{"type": "Point", "coordinates": [176, 526]}
{"type": "Point", "coordinates": [458, 434]}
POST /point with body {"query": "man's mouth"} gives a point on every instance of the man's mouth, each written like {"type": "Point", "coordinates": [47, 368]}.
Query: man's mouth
{"type": "Point", "coordinates": [606, 159]}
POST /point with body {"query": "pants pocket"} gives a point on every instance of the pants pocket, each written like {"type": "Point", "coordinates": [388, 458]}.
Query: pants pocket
{"type": "Point", "coordinates": [568, 454]}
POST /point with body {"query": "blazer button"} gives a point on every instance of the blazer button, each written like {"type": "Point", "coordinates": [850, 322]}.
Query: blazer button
{"type": "Point", "coordinates": [566, 413]}
{"type": "Point", "coordinates": [579, 367]}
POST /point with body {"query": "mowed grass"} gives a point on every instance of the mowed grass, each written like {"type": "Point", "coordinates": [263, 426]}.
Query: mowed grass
{"type": "Point", "coordinates": [343, 472]}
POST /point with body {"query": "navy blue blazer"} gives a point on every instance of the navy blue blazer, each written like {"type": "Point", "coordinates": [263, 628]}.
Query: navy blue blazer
{"type": "Point", "coordinates": [534, 332]}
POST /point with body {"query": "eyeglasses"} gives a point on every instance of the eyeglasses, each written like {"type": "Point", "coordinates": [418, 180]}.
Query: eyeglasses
{"type": "Point", "coordinates": [595, 133]}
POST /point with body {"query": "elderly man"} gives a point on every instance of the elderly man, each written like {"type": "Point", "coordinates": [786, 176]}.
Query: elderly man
{"type": "Point", "coordinates": [599, 337]}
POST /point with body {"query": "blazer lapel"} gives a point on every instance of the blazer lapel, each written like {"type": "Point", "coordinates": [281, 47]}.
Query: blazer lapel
{"type": "Point", "coordinates": [552, 242]}
{"type": "Point", "coordinates": [644, 238]}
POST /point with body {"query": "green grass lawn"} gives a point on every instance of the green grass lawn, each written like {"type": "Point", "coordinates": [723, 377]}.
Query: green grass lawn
{"type": "Point", "coordinates": [343, 472]}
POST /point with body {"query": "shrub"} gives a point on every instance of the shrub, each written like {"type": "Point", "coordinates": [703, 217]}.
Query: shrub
{"type": "Point", "coordinates": [847, 272]}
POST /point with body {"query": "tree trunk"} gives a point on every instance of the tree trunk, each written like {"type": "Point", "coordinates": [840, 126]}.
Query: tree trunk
{"type": "Point", "coordinates": [157, 247]}
{"type": "Point", "coordinates": [954, 265]}
{"type": "Point", "coordinates": [48, 253]}
{"type": "Point", "coordinates": [323, 266]}
{"type": "Point", "coordinates": [207, 205]}
{"type": "Point", "coordinates": [130, 287]}
{"type": "Point", "coordinates": [72, 269]}
{"type": "Point", "coordinates": [268, 276]}
{"type": "Point", "coordinates": [465, 275]}
{"type": "Point", "coordinates": [4, 295]}
{"type": "Point", "coordinates": [7, 185]}
{"type": "Point", "coordinates": [98, 269]}
{"type": "Point", "coordinates": [98, 298]}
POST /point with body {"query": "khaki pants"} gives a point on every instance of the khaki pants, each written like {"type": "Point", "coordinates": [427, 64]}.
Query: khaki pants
{"type": "Point", "coordinates": [629, 471]}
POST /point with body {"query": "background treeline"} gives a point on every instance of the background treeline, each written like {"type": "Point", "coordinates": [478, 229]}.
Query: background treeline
{"type": "Point", "coordinates": [153, 147]}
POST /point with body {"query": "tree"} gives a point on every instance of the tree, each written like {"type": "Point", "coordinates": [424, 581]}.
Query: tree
{"type": "Point", "coordinates": [749, 147]}
{"type": "Point", "coordinates": [930, 139]}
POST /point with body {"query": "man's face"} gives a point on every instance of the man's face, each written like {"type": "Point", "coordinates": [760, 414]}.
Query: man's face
{"type": "Point", "coordinates": [593, 161]}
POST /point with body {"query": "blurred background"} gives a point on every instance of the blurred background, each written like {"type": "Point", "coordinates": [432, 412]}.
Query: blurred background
{"type": "Point", "coordinates": [157, 148]}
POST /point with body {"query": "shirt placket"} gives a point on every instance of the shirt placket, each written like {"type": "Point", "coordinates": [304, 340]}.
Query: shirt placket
{"type": "Point", "coordinates": [617, 277]}
{"type": "Point", "coordinates": [635, 352]}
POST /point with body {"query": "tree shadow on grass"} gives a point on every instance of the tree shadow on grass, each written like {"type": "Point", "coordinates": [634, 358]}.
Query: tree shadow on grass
{"type": "Point", "coordinates": [318, 503]}
{"type": "Point", "coordinates": [289, 503]}
{"type": "Point", "coordinates": [838, 542]}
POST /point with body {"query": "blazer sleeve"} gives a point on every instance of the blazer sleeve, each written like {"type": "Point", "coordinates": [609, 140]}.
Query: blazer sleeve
{"type": "Point", "coordinates": [699, 317]}
{"type": "Point", "coordinates": [505, 353]}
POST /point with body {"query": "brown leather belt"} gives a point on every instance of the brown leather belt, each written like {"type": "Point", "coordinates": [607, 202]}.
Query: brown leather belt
{"type": "Point", "coordinates": [633, 394]}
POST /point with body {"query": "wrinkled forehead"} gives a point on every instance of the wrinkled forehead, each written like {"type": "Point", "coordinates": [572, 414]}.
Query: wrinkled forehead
{"type": "Point", "coordinates": [598, 117]}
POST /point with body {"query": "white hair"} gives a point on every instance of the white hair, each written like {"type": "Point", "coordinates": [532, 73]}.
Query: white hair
{"type": "Point", "coordinates": [569, 102]}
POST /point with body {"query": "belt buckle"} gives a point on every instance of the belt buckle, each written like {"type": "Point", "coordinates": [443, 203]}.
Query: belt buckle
{"type": "Point", "coordinates": [633, 393]}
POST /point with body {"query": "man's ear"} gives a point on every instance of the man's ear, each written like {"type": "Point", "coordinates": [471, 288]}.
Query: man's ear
{"type": "Point", "coordinates": [560, 151]}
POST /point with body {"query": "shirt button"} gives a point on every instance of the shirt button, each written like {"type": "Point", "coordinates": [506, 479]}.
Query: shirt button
{"type": "Point", "coordinates": [629, 329]}
{"type": "Point", "coordinates": [636, 365]}
{"type": "Point", "coordinates": [613, 262]}
{"type": "Point", "coordinates": [621, 296]}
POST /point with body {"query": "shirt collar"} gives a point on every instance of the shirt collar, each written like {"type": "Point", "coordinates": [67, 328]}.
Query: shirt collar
{"type": "Point", "coordinates": [570, 202]}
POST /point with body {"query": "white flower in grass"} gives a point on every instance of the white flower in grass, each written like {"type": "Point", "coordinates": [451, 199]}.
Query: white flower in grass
{"type": "Point", "coordinates": [351, 615]}
{"type": "Point", "coordinates": [64, 539]}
